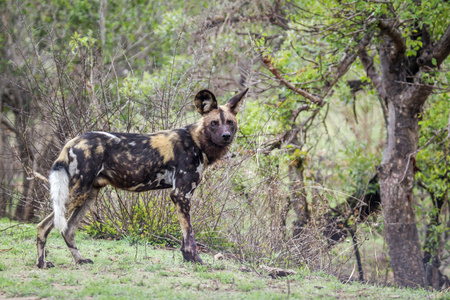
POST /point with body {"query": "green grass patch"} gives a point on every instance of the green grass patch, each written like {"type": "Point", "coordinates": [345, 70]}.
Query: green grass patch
{"type": "Point", "coordinates": [121, 271]}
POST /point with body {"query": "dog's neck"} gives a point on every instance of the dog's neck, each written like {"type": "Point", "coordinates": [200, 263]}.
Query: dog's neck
{"type": "Point", "coordinates": [212, 151]}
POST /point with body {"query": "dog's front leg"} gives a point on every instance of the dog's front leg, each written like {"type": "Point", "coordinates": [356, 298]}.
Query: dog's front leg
{"type": "Point", "coordinates": [183, 205]}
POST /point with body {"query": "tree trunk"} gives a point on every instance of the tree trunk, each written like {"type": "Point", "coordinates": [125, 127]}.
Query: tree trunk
{"type": "Point", "coordinates": [22, 108]}
{"type": "Point", "coordinates": [2, 168]}
{"type": "Point", "coordinates": [297, 188]}
{"type": "Point", "coordinates": [396, 174]}
{"type": "Point", "coordinates": [297, 194]}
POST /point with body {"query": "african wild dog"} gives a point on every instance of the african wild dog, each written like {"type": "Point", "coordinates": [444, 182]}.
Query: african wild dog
{"type": "Point", "coordinates": [137, 162]}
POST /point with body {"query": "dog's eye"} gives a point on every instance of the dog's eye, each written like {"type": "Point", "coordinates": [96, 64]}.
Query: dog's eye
{"type": "Point", "coordinates": [229, 122]}
{"type": "Point", "coordinates": [213, 123]}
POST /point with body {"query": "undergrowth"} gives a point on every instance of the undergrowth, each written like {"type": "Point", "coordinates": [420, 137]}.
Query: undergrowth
{"type": "Point", "coordinates": [121, 271]}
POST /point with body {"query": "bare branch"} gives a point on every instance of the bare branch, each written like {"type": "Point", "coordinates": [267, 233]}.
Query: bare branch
{"type": "Point", "coordinates": [296, 112]}
{"type": "Point", "coordinates": [37, 175]}
{"type": "Point", "coordinates": [350, 55]}
{"type": "Point", "coordinates": [274, 17]}
{"type": "Point", "coordinates": [439, 52]}
{"type": "Point", "coordinates": [341, 22]}
{"type": "Point", "coordinates": [313, 98]}
{"type": "Point", "coordinates": [397, 39]}
{"type": "Point", "coordinates": [442, 49]}
{"type": "Point", "coordinates": [287, 136]}
{"type": "Point", "coordinates": [292, 133]}
{"type": "Point", "coordinates": [372, 73]}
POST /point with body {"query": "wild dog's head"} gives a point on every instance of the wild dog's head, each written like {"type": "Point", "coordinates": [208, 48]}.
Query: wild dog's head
{"type": "Point", "coordinates": [219, 122]}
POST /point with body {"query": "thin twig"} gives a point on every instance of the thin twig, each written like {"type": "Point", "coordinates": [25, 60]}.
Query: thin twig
{"type": "Point", "coordinates": [4, 229]}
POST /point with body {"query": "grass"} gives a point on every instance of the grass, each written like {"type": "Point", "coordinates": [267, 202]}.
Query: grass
{"type": "Point", "coordinates": [121, 272]}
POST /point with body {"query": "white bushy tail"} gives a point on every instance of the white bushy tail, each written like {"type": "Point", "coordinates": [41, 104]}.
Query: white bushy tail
{"type": "Point", "coordinates": [59, 193]}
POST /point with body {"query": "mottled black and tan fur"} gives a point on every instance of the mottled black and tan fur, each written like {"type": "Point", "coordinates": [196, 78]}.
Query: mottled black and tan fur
{"type": "Point", "coordinates": [172, 159]}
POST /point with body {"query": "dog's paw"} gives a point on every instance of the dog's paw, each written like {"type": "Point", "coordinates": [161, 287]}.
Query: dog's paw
{"type": "Point", "coordinates": [45, 265]}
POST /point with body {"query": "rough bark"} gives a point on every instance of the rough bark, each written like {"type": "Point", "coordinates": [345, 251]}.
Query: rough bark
{"type": "Point", "coordinates": [399, 220]}
{"type": "Point", "coordinates": [396, 171]}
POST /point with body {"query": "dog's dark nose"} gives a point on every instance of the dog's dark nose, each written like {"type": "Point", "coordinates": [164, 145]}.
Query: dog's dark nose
{"type": "Point", "coordinates": [226, 136]}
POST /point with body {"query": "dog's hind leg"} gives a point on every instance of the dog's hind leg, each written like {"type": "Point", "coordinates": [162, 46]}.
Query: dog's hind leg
{"type": "Point", "coordinates": [72, 224]}
{"type": "Point", "coordinates": [43, 229]}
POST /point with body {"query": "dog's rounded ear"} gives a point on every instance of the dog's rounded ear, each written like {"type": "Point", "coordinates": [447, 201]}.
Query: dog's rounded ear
{"type": "Point", "coordinates": [235, 102]}
{"type": "Point", "coordinates": [205, 101]}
